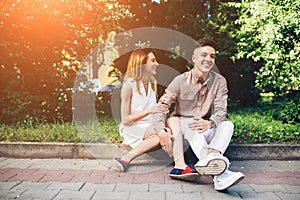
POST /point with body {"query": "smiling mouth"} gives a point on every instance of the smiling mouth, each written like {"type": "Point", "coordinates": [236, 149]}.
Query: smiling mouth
{"type": "Point", "coordinates": [206, 65]}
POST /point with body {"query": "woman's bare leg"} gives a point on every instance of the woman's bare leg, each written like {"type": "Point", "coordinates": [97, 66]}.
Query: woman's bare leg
{"type": "Point", "coordinates": [148, 144]}
{"type": "Point", "coordinates": [174, 124]}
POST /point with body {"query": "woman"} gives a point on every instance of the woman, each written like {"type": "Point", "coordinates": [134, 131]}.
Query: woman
{"type": "Point", "coordinates": [138, 104]}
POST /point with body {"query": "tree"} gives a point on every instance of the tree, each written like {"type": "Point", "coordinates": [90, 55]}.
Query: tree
{"type": "Point", "coordinates": [42, 44]}
{"type": "Point", "coordinates": [270, 33]}
{"type": "Point", "coordinates": [240, 74]}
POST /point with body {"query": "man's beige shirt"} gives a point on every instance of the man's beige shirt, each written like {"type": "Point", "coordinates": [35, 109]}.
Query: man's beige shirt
{"type": "Point", "coordinates": [195, 98]}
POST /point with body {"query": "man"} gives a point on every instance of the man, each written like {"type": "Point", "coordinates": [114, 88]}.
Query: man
{"type": "Point", "coordinates": [200, 116]}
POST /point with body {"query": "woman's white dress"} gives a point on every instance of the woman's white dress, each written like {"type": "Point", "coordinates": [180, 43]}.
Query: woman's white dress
{"type": "Point", "coordinates": [134, 134]}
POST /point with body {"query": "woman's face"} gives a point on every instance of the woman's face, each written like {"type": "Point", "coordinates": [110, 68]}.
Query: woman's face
{"type": "Point", "coordinates": [151, 65]}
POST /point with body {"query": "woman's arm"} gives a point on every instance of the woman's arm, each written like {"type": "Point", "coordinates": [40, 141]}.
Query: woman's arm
{"type": "Point", "coordinates": [128, 119]}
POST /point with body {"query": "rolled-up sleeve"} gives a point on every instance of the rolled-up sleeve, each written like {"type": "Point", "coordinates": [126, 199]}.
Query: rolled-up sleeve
{"type": "Point", "coordinates": [167, 98]}
{"type": "Point", "coordinates": [220, 113]}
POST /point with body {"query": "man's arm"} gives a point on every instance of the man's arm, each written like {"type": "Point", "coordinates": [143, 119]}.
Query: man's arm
{"type": "Point", "coordinates": [167, 98]}
{"type": "Point", "coordinates": [220, 104]}
{"type": "Point", "coordinates": [164, 133]}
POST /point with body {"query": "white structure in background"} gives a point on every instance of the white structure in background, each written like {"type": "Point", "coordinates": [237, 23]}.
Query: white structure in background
{"type": "Point", "coordinates": [97, 68]}
{"type": "Point", "coordinates": [96, 86]}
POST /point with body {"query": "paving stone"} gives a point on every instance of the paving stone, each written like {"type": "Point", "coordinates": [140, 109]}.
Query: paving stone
{"type": "Point", "coordinates": [71, 194]}
{"type": "Point", "coordinates": [146, 167]}
{"type": "Point", "coordinates": [57, 175]}
{"type": "Point", "coordinates": [71, 164]}
{"type": "Point", "coordinates": [98, 187]}
{"type": "Point", "coordinates": [8, 185]}
{"type": "Point", "coordinates": [105, 172]}
{"type": "Point", "coordinates": [27, 177]}
{"type": "Point", "coordinates": [31, 186]}
{"type": "Point", "coordinates": [3, 170]}
{"type": "Point", "coordinates": [2, 162]}
{"type": "Point", "coordinates": [88, 179]}
{"type": "Point", "coordinates": [268, 188]}
{"type": "Point", "coordinates": [197, 188]}
{"type": "Point", "coordinates": [22, 171]}
{"type": "Point", "coordinates": [228, 195]}
{"type": "Point", "coordinates": [183, 196]}
{"type": "Point", "coordinates": [45, 164]}
{"type": "Point", "coordinates": [18, 163]}
{"type": "Point", "coordinates": [110, 195]}
{"type": "Point", "coordinates": [65, 186]}
{"type": "Point", "coordinates": [11, 194]}
{"type": "Point", "coordinates": [241, 188]}
{"type": "Point", "coordinates": [205, 180]}
{"type": "Point", "coordinates": [118, 178]}
{"type": "Point", "coordinates": [96, 164]}
{"type": "Point", "coordinates": [7, 175]}
{"type": "Point", "coordinates": [153, 187]}
{"type": "Point", "coordinates": [258, 196]}
{"type": "Point", "coordinates": [146, 195]}
{"type": "Point", "coordinates": [167, 169]}
{"type": "Point", "coordinates": [39, 194]}
{"type": "Point", "coordinates": [170, 181]}
{"type": "Point", "coordinates": [132, 187]}
{"type": "Point", "coordinates": [153, 177]}
{"type": "Point", "coordinates": [269, 178]}
{"type": "Point", "coordinates": [280, 180]}
{"type": "Point", "coordinates": [270, 165]}
{"type": "Point", "coordinates": [288, 196]}
{"type": "Point", "coordinates": [292, 188]}
{"type": "Point", "coordinates": [253, 166]}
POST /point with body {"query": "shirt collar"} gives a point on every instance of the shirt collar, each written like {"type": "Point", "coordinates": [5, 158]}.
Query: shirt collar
{"type": "Point", "coordinates": [197, 77]}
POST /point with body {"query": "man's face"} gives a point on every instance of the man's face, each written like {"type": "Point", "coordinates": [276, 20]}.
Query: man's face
{"type": "Point", "coordinates": [204, 58]}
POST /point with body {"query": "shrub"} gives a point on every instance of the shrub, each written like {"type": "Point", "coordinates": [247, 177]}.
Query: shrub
{"type": "Point", "coordinates": [287, 107]}
{"type": "Point", "coordinates": [252, 126]}
{"type": "Point", "coordinates": [257, 126]}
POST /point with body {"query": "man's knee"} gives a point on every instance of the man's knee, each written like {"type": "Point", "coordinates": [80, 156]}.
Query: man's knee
{"type": "Point", "coordinates": [227, 124]}
{"type": "Point", "coordinates": [226, 128]}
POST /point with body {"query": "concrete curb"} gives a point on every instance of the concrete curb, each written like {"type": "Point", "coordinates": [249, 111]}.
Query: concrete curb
{"type": "Point", "coordinates": [263, 152]}
{"type": "Point", "coordinates": [108, 151]}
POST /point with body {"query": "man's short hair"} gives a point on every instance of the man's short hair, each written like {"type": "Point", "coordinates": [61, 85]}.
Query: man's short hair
{"type": "Point", "coordinates": [206, 42]}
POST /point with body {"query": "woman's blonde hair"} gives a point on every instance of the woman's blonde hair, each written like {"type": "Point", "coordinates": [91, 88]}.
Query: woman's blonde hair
{"type": "Point", "coordinates": [136, 61]}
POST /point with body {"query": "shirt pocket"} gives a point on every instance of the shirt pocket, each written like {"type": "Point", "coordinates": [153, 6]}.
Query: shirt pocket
{"type": "Point", "coordinates": [186, 100]}
{"type": "Point", "coordinates": [187, 96]}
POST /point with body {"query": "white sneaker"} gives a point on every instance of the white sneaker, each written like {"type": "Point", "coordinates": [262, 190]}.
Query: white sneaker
{"type": "Point", "coordinates": [227, 179]}
{"type": "Point", "coordinates": [213, 164]}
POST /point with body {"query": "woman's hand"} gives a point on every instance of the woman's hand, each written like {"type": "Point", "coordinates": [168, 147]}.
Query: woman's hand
{"type": "Point", "coordinates": [166, 141]}
{"type": "Point", "coordinates": [159, 108]}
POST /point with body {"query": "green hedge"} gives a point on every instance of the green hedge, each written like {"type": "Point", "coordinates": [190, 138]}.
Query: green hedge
{"type": "Point", "coordinates": [251, 126]}
{"type": "Point", "coordinates": [255, 127]}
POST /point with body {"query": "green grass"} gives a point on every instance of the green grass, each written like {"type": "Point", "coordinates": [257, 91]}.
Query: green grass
{"type": "Point", "coordinates": [105, 130]}
{"type": "Point", "coordinates": [257, 126]}
{"type": "Point", "coordinates": [251, 126]}
{"type": "Point", "coordinates": [27, 132]}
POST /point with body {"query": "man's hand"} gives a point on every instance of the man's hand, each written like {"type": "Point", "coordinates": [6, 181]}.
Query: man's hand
{"type": "Point", "coordinates": [166, 139]}
{"type": "Point", "coordinates": [199, 124]}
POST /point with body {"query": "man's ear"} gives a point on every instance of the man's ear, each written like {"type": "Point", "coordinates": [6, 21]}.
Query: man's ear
{"type": "Point", "coordinates": [193, 58]}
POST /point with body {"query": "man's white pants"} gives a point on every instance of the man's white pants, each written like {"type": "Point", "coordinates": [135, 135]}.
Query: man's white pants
{"type": "Point", "coordinates": [217, 138]}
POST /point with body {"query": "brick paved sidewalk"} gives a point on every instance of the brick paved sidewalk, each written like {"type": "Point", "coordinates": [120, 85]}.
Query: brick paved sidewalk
{"type": "Point", "coordinates": [97, 179]}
